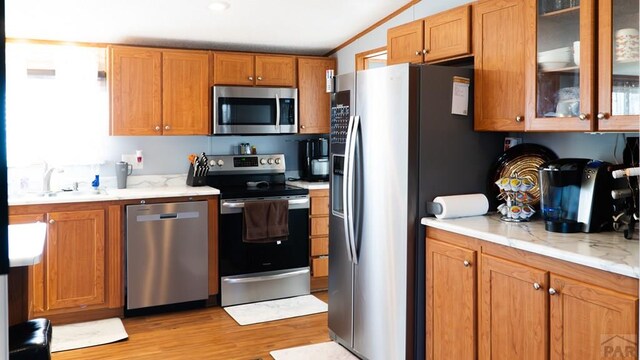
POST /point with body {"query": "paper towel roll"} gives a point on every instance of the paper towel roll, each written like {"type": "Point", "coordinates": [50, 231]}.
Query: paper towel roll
{"type": "Point", "coordinates": [462, 205]}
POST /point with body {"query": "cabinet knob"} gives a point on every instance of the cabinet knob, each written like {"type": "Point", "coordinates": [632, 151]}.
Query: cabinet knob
{"type": "Point", "coordinates": [52, 221]}
{"type": "Point", "coordinates": [552, 291]}
{"type": "Point", "coordinates": [157, 128]}
{"type": "Point", "coordinates": [167, 127]}
{"type": "Point", "coordinates": [259, 78]}
{"type": "Point", "coordinates": [519, 118]}
{"type": "Point", "coordinates": [418, 52]}
{"type": "Point", "coordinates": [466, 263]}
{"type": "Point", "coordinates": [583, 116]}
{"type": "Point", "coordinates": [601, 116]}
{"type": "Point", "coordinates": [250, 78]}
{"type": "Point", "coordinates": [302, 126]}
{"type": "Point", "coordinates": [536, 286]}
{"type": "Point", "coordinates": [425, 51]}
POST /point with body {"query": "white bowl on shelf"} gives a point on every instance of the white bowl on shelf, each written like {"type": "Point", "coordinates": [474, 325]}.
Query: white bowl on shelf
{"type": "Point", "coordinates": [553, 65]}
{"type": "Point", "coordinates": [576, 52]}
{"type": "Point", "coordinates": [563, 56]}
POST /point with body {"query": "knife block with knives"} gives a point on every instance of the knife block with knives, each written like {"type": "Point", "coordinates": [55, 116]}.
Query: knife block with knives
{"type": "Point", "coordinates": [198, 170]}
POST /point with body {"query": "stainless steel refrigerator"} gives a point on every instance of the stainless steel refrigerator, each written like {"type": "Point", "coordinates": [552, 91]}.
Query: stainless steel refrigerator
{"type": "Point", "coordinates": [395, 145]}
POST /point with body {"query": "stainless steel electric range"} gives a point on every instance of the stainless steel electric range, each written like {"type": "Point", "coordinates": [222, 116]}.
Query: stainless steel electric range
{"type": "Point", "coordinates": [267, 270]}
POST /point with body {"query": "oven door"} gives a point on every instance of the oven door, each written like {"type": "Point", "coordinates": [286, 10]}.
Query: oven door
{"type": "Point", "coordinates": [238, 257]}
{"type": "Point", "coordinates": [245, 110]}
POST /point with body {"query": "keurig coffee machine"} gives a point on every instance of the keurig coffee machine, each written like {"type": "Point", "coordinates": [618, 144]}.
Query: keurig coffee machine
{"type": "Point", "coordinates": [314, 159]}
{"type": "Point", "coordinates": [575, 195]}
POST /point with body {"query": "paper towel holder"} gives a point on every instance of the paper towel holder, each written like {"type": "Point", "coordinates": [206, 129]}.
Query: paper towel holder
{"type": "Point", "coordinates": [434, 208]}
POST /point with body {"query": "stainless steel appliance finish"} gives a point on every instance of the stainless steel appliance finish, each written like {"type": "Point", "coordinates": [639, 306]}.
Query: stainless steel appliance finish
{"type": "Point", "coordinates": [167, 258]}
{"type": "Point", "coordinates": [241, 110]}
{"type": "Point", "coordinates": [387, 162]}
{"type": "Point", "coordinates": [268, 285]}
{"type": "Point", "coordinates": [267, 270]}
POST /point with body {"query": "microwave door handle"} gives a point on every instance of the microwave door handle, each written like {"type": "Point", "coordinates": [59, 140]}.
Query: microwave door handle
{"type": "Point", "coordinates": [277, 113]}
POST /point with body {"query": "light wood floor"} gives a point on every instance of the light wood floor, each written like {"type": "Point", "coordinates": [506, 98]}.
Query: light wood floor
{"type": "Point", "coordinates": [206, 334]}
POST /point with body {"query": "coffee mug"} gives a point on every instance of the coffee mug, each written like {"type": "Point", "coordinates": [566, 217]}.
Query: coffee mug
{"type": "Point", "coordinates": [123, 169]}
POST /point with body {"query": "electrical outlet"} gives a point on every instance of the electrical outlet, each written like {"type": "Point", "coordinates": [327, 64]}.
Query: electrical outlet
{"type": "Point", "coordinates": [131, 159]}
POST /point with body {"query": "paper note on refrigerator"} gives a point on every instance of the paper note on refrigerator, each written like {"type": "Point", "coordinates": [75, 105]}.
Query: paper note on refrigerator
{"type": "Point", "coordinates": [460, 97]}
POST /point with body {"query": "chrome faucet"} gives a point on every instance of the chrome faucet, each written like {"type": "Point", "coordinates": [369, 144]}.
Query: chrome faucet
{"type": "Point", "coordinates": [46, 177]}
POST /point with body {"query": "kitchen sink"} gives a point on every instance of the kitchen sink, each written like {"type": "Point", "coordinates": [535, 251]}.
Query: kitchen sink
{"type": "Point", "coordinates": [51, 196]}
{"type": "Point", "coordinates": [77, 193]}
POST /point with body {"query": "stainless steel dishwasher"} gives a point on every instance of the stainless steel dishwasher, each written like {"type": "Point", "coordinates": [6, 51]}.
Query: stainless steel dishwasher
{"type": "Point", "coordinates": [167, 258]}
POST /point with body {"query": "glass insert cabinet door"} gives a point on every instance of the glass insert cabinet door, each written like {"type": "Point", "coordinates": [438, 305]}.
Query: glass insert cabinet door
{"type": "Point", "coordinates": [564, 66]}
{"type": "Point", "coordinates": [619, 65]}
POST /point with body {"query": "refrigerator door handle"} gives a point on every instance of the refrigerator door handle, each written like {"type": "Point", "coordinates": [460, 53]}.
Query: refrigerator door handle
{"type": "Point", "coordinates": [345, 190]}
{"type": "Point", "coordinates": [350, 187]}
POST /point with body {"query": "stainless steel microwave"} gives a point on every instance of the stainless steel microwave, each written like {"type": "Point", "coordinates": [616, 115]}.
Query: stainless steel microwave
{"type": "Point", "coordinates": [253, 110]}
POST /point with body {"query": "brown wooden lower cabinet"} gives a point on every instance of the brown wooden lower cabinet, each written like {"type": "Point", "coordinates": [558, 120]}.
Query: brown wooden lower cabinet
{"type": "Point", "coordinates": [591, 322]}
{"type": "Point", "coordinates": [514, 319]}
{"type": "Point", "coordinates": [529, 306]}
{"type": "Point", "coordinates": [78, 273]}
{"type": "Point", "coordinates": [81, 274]}
{"type": "Point", "coordinates": [318, 238]}
{"type": "Point", "coordinates": [451, 304]}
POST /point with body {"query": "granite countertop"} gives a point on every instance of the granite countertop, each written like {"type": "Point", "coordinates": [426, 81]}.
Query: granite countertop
{"type": "Point", "coordinates": [138, 187]}
{"type": "Point", "coordinates": [26, 243]}
{"type": "Point", "coordinates": [608, 251]}
{"type": "Point", "coordinates": [311, 185]}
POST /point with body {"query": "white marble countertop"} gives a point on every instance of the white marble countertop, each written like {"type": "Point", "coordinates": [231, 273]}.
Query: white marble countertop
{"type": "Point", "coordinates": [138, 187]}
{"type": "Point", "coordinates": [26, 243]}
{"type": "Point", "coordinates": [311, 185]}
{"type": "Point", "coordinates": [608, 251]}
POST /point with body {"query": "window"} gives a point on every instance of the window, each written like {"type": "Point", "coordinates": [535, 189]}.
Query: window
{"type": "Point", "coordinates": [371, 59]}
{"type": "Point", "coordinates": [57, 104]}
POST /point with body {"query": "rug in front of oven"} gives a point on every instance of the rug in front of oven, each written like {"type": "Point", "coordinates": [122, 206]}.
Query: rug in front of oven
{"type": "Point", "coordinates": [247, 314]}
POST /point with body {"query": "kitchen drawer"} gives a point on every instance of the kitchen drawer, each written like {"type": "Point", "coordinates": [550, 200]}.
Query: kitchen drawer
{"type": "Point", "coordinates": [320, 226]}
{"type": "Point", "coordinates": [319, 246]}
{"type": "Point", "coordinates": [320, 266]}
{"type": "Point", "coordinates": [320, 206]}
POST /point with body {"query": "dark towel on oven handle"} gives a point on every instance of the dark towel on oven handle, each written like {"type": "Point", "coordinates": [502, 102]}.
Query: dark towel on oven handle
{"type": "Point", "coordinates": [278, 220]}
{"type": "Point", "coordinates": [265, 221]}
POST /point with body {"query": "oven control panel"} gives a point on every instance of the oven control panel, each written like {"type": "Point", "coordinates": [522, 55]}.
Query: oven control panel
{"type": "Point", "coordinates": [263, 163]}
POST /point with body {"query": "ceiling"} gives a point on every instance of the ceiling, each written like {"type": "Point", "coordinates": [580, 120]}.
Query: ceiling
{"type": "Point", "coordinates": [312, 27]}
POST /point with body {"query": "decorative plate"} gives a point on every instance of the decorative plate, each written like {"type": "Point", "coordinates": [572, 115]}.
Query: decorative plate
{"type": "Point", "coordinates": [523, 161]}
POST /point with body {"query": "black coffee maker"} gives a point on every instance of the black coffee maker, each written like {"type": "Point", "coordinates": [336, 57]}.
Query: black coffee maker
{"type": "Point", "coordinates": [575, 195]}
{"type": "Point", "coordinates": [314, 159]}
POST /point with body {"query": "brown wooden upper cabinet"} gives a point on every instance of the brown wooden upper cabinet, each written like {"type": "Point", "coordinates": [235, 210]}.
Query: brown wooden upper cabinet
{"type": "Point", "coordinates": [158, 92]}
{"type": "Point", "coordinates": [314, 102]}
{"type": "Point", "coordinates": [254, 70]}
{"type": "Point", "coordinates": [582, 77]}
{"type": "Point", "coordinates": [499, 65]}
{"type": "Point", "coordinates": [442, 36]}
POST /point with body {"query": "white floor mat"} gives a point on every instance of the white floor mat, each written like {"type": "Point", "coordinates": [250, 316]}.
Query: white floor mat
{"type": "Point", "coordinates": [322, 351]}
{"type": "Point", "coordinates": [254, 313]}
{"type": "Point", "coordinates": [86, 334]}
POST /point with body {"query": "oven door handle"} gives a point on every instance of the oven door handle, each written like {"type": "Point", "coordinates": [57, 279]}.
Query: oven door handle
{"type": "Point", "coordinates": [237, 205]}
{"type": "Point", "coordinates": [266, 277]}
